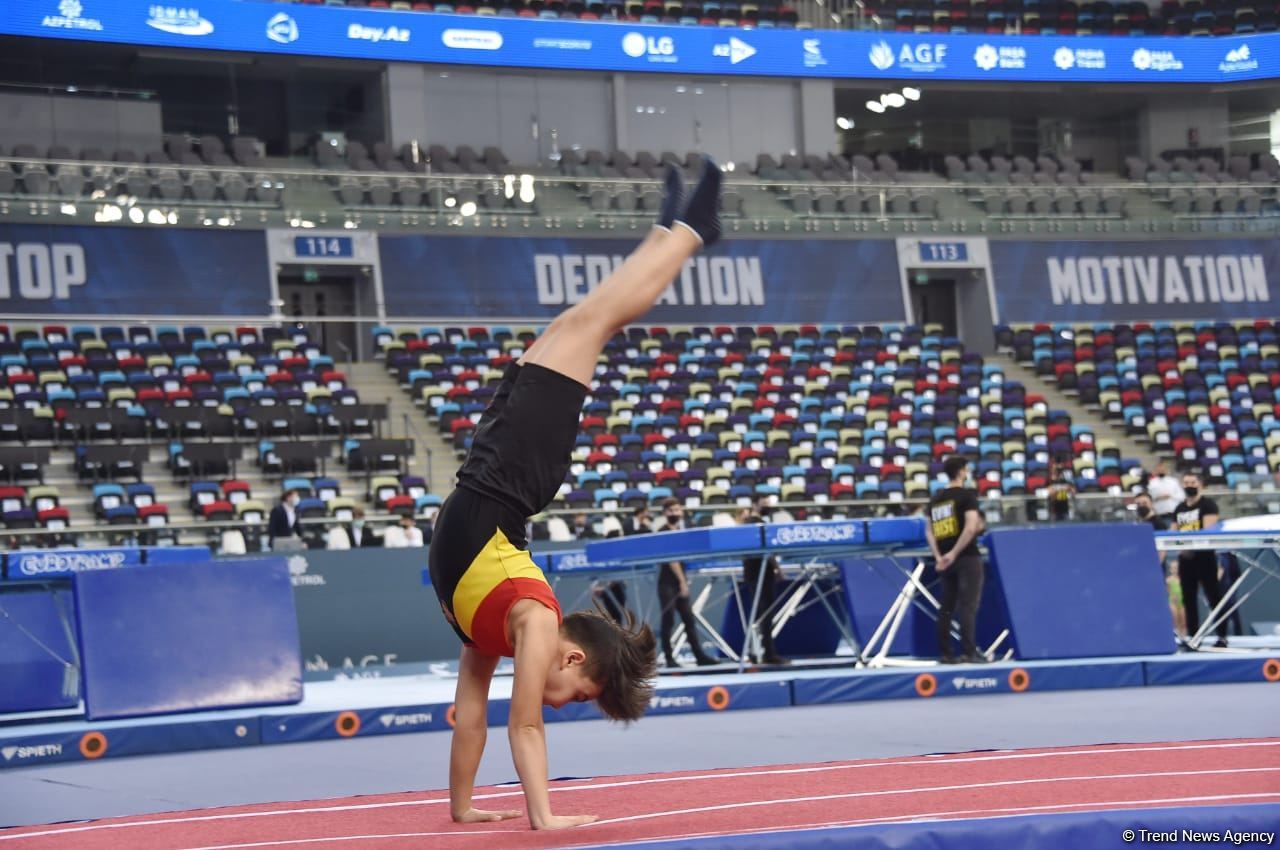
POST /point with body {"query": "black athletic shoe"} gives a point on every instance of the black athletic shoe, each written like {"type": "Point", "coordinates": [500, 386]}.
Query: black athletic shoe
{"type": "Point", "coordinates": [673, 199]}
{"type": "Point", "coordinates": [702, 212]}
{"type": "Point", "coordinates": [948, 659]}
{"type": "Point", "coordinates": [975, 659]}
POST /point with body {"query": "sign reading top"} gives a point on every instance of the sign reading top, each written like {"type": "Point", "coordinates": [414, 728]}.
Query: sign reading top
{"type": "Point", "coordinates": [384, 35]}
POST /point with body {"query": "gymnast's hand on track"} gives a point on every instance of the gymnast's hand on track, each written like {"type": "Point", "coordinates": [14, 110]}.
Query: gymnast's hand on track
{"type": "Point", "coordinates": [565, 821]}
{"type": "Point", "coordinates": [479, 816]}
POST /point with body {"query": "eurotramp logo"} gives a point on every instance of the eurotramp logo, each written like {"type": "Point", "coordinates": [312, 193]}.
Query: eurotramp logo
{"type": "Point", "coordinates": [71, 17]}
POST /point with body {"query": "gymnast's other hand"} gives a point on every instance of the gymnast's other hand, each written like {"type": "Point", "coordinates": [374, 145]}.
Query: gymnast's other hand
{"type": "Point", "coordinates": [564, 821]}
{"type": "Point", "coordinates": [474, 815]}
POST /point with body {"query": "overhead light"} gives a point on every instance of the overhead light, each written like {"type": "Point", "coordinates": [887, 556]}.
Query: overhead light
{"type": "Point", "coordinates": [155, 216]}
{"type": "Point", "coordinates": [293, 222]}
{"type": "Point", "coordinates": [844, 123]}
{"type": "Point", "coordinates": [875, 106]}
{"type": "Point", "coordinates": [526, 189]}
{"type": "Point", "coordinates": [208, 221]}
{"type": "Point", "coordinates": [68, 209]}
{"type": "Point", "coordinates": [894, 99]}
{"type": "Point", "coordinates": [224, 221]}
{"type": "Point", "coordinates": [729, 166]}
{"type": "Point", "coordinates": [136, 215]}
{"type": "Point", "coordinates": [911, 93]}
{"type": "Point", "coordinates": [509, 185]}
{"type": "Point", "coordinates": [173, 217]}
{"type": "Point", "coordinates": [350, 225]}
{"type": "Point", "coordinates": [305, 224]}
{"type": "Point", "coordinates": [467, 209]}
{"type": "Point", "coordinates": [451, 202]}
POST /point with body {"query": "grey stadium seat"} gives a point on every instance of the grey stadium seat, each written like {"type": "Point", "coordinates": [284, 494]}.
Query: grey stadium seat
{"type": "Point", "coordinates": [1113, 204]}
{"type": "Point", "coordinates": [234, 187]}
{"type": "Point", "coordinates": [409, 192]}
{"type": "Point", "coordinates": [71, 180]}
{"type": "Point", "coordinates": [35, 181]}
{"type": "Point", "coordinates": [1017, 203]}
{"type": "Point", "coordinates": [624, 200]}
{"type": "Point", "coordinates": [202, 186]}
{"type": "Point", "coordinates": [1203, 202]}
{"type": "Point", "coordinates": [825, 203]}
{"type": "Point", "coordinates": [801, 201]}
{"type": "Point", "coordinates": [1090, 203]}
{"type": "Point", "coordinates": [169, 184]}
{"type": "Point", "coordinates": [136, 182]}
{"type": "Point", "coordinates": [651, 199]}
{"type": "Point", "coordinates": [926, 204]}
{"type": "Point", "coordinates": [731, 202]}
{"type": "Point", "coordinates": [265, 189]}
{"type": "Point", "coordinates": [6, 179]}
{"type": "Point", "coordinates": [851, 202]}
{"type": "Point", "coordinates": [351, 191]}
{"type": "Point", "coordinates": [598, 198]}
{"type": "Point", "coordinates": [380, 192]}
{"type": "Point", "coordinates": [899, 204]}
{"type": "Point", "coordinates": [1041, 203]}
{"type": "Point", "coordinates": [1228, 200]}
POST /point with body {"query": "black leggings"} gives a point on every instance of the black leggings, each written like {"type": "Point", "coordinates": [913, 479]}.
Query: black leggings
{"type": "Point", "coordinates": [1194, 573]}
{"type": "Point", "coordinates": [961, 595]}
{"type": "Point", "coordinates": [768, 595]}
{"type": "Point", "coordinates": [672, 604]}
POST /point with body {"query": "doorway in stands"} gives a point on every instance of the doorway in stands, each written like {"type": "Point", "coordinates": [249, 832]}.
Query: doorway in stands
{"type": "Point", "coordinates": [933, 300]}
{"type": "Point", "coordinates": [315, 295]}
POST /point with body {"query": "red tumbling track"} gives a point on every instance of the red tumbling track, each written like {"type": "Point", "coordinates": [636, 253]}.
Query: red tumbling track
{"type": "Point", "coordinates": [726, 802]}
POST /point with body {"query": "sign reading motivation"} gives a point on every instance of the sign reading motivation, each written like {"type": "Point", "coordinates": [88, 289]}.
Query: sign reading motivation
{"type": "Point", "coordinates": [74, 270]}
{"type": "Point", "coordinates": [1067, 281]}
{"type": "Point", "coordinates": [397, 36]}
{"type": "Point", "coordinates": [780, 280]}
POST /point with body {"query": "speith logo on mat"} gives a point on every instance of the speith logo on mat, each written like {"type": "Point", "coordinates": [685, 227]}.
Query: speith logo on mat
{"type": "Point", "coordinates": [9, 752]}
{"type": "Point", "coordinates": [397, 720]}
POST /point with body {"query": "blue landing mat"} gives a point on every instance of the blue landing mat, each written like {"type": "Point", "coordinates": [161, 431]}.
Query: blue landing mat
{"type": "Point", "coordinates": [1074, 831]}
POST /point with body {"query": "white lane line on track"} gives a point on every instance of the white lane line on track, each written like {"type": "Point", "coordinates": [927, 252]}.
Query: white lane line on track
{"type": "Point", "coordinates": [895, 792]}
{"type": "Point", "coordinates": [655, 780]}
{"type": "Point", "coordinates": [964, 814]}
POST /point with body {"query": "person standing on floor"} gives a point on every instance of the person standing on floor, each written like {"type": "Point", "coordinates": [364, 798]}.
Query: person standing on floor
{"type": "Point", "coordinates": [952, 529]}
{"type": "Point", "coordinates": [1198, 569]}
{"type": "Point", "coordinates": [673, 594]}
{"type": "Point", "coordinates": [768, 585]}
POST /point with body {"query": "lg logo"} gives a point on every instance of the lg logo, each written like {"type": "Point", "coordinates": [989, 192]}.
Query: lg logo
{"type": "Point", "coordinates": [657, 48]}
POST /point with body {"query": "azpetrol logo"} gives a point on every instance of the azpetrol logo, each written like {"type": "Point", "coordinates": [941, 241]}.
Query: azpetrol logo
{"type": "Point", "coordinates": [298, 575]}
{"type": "Point", "coordinates": [654, 48]}
{"type": "Point", "coordinates": [736, 50]}
{"type": "Point", "coordinates": [282, 29]}
{"type": "Point", "coordinates": [988, 57]}
{"type": "Point", "coordinates": [1085, 58]}
{"type": "Point", "coordinates": [178, 20]}
{"type": "Point", "coordinates": [1238, 60]}
{"type": "Point", "coordinates": [922, 58]}
{"type": "Point", "coordinates": [69, 17]}
{"type": "Point", "coordinates": [1155, 60]}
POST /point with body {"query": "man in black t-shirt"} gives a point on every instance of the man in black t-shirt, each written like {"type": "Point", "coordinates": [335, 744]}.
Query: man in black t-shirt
{"type": "Point", "coordinates": [1198, 569]}
{"type": "Point", "coordinates": [952, 527]}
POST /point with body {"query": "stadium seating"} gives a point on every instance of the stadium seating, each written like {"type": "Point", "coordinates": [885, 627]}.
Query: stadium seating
{"type": "Point", "coordinates": [1203, 392]}
{"type": "Point", "coordinates": [764, 14]}
{"type": "Point", "coordinates": [806, 413]}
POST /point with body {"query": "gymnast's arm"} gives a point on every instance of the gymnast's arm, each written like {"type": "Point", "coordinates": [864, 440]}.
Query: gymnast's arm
{"type": "Point", "coordinates": [535, 633]}
{"type": "Point", "coordinates": [471, 704]}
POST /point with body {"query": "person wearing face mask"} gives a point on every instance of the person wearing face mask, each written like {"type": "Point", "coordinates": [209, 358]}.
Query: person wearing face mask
{"type": "Point", "coordinates": [1165, 491]}
{"type": "Point", "coordinates": [673, 594]}
{"type": "Point", "coordinates": [354, 535]}
{"type": "Point", "coordinates": [1198, 569]}
{"type": "Point", "coordinates": [954, 523]}
{"type": "Point", "coordinates": [1145, 509]}
{"type": "Point", "coordinates": [282, 524]}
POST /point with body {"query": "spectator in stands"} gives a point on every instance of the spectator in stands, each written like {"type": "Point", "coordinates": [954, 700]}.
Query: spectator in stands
{"type": "Point", "coordinates": [768, 585]}
{"type": "Point", "coordinates": [638, 523]}
{"type": "Point", "coordinates": [673, 594]}
{"type": "Point", "coordinates": [282, 524]}
{"type": "Point", "coordinates": [1146, 511]}
{"type": "Point", "coordinates": [953, 526]}
{"type": "Point", "coordinates": [353, 535]}
{"type": "Point", "coordinates": [1165, 492]}
{"type": "Point", "coordinates": [403, 535]}
{"type": "Point", "coordinates": [1062, 490]}
{"type": "Point", "coordinates": [581, 527]}
{"type": "Point", "coordinates": [1197, 569]}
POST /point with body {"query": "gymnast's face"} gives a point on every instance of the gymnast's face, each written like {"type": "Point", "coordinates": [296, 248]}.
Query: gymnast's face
{"type": "Point", "coordinates": [567, 682]}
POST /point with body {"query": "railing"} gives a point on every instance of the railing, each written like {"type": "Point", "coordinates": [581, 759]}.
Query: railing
{"type": "Point", "coordinates": [410, 428]}
{"type": "Point", "coordinates": [1005, 510]}
{"type": "Point", "coordinates": [547, 201]}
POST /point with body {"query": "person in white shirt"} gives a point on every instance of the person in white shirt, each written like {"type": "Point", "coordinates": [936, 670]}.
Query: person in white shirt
{"type": "Point", "coordinates": [1166, 492]}
{"type": "Point", "coordinates": [354, 535]}
{"type": "Point", "coordinates": [406, 535]}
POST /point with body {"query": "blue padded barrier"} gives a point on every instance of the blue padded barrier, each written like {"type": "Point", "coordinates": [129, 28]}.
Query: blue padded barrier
{"type": "Point", "coordinates": [39, 670]}
{"type": "Point", "coordinates": [38, 564]}
{"type": "Point", "coordinates": [907, 530]}
{"type": "Point", "coordinates": [329, 725]}
{"type": "Point", "coordinates": [88, 743]}
{"type": "Point", "coordinates": [1082, 590]}
{"type": "Point", "coordinates": [167, 555]}
{"type": "Point", "coordinates": [155, 640]}
{"type": "Point", "coordinates": [1212, 670]}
